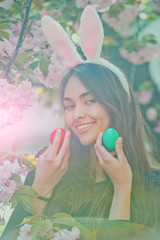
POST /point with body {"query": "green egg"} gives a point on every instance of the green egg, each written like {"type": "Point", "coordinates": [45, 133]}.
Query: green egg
{"type": "Point", "coordinates": [109, 139]}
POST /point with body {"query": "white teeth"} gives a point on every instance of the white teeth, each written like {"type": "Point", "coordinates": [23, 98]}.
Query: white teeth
{"type": "Point", "coordinates": [84, 126]}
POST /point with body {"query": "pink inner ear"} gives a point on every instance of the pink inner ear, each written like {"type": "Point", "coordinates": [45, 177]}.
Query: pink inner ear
{"type": "Point", "coordinates": [62, 50]}
{"type": "Point", "coordinates": [91, 33]}
{"type": "Point", "coordinates": [90, 45]}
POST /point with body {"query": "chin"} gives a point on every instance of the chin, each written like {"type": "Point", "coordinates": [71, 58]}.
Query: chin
{"type": "Point", "coordinates": [87, 142]}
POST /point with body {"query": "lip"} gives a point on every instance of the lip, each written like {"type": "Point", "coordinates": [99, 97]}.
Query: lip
{"type": "Point", "coordinates": [85, 129]}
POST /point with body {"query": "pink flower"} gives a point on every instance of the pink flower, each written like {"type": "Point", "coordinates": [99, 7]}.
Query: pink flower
{"type": "Point", "coordinates": [102, 4]}
{"type": "Point", "coordinates": [157, 128]}
{"type": "Point", "coordinates": [6, 170]}
{"type": "Point", "coordinates": [54, 13]}
{"type": "Point", "coordinates": [23, 170]}
{"type": "Point", "coordinates": [129, 14]}
{"type": "Point", "coordinates": [38, 35]}
{"type": "Point", "coordinates": [2, 221]}
{"type": "Point", "coordinates": [143, 97]}
{"type": "Point", "coordinates": [43, 13]}
{"type": "Point", "coordinates": [151, 114]}
{"type": "Point", "coordinates": [14, 99]}
{"type": "Point", "coordinates": [9, 188]}
{"type": "Point", "coordinates": [54, 76]}
{"type": "Point", "coordinates": [81, 3]}
{"type": "Point", "coordinates": [6, 48]}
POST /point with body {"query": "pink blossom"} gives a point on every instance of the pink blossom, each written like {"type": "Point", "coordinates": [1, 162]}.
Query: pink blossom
{"type": "Point", "coordinates": [141, 55]}
{"type": "Point", "coordinates": [122, 22]}
{"type": "Point", "coordinates": [6, 48]}
{"type": "Point", "coordinates": [2, 221]}
{"type": "Point", "coordinates": [43, 13]}
{"type": "Point", "coordinates": [157, 7]}
{"type": "Point", "coordinates": [23, 170]}
{"type": "Point", "coordinates": [81, 3]}
{"type": "Point", "coordinates": [38, 35]}
{"type": "Point", "coordinates": [6, 170]}
{"type": "Point", "coordinates": [55, 73]}
{"type": "Point", "coordinates": [157, 128]}
{"type": "Point", "coordinates": [143, 97]}
{"type": "Point", "coordinates": [55, 58]}
{"type": "Point", "coordinates": [102, 4]}
{"type": "Point", "coordinates": [16, 27]}
{"type": "Point", "coordinates": [129, 13]}
{"type": "Point", "coordinates": [111, 21]}
{"type": "Point", "coordinates": [8, 190]}
{"type": "Point", "coordinates": [151, 114]}
{"type": "Point", "coordinates": [14, 99]}
{"type": "Point", "coordinates": [54, 13]}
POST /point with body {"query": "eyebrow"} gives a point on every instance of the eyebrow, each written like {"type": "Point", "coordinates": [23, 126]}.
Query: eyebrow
{"type": "Point", "coordinates": [81, 96]}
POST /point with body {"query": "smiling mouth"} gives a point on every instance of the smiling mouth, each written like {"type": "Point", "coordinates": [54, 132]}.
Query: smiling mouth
{"type": "Point", "coordinates": [85, 127]}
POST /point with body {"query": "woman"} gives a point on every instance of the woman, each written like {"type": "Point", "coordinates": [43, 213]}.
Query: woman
{"type": "Point", "coordinates": [83, 178]}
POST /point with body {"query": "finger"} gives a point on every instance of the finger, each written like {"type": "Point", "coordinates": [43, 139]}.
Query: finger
{"type": "Point", "coordinates": [113, 153]}
{"type": "Point", "coordinates": [65, 161]}
{"type": "Point", "coordinates": [102, 151]}
{"type": "Point", "coordinates": [99, 139]}
{"type": "Point", "coordinates": [119, 150]}
{"type": "Point", "coordinates": [44, 154]}
{"type": "Point", "coordinates": [99, 157]}
{"type": "Point", "coordinates": [55, 145]}
{"type": "Point", "coordinates": [65, 146]}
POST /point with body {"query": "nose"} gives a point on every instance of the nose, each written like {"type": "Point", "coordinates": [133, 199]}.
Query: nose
{"type": "Point", "coordinates": [79, 112]}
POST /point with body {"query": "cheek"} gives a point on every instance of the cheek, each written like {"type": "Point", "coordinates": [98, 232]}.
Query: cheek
{"type": "Point", "coordinates": [69, 119]}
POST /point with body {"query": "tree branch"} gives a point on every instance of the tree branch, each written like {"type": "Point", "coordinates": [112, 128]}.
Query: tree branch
{"type": "Point", "coordinates": [21, 38]}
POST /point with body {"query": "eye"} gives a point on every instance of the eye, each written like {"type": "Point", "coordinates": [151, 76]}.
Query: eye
{"type": "Point", "coordinates": [69, 106]}
{"type": "Point", "coordinates": [89, 101]}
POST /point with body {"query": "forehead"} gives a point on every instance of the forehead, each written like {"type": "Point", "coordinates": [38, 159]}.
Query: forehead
{"type": "Point", "coordinates": [74, 88]}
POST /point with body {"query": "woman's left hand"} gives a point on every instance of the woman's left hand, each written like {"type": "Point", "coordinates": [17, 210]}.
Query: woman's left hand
{"type": "Point", "coordinates": [118, 168]}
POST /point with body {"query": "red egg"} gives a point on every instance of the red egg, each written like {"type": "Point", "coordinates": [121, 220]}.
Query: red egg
{"type": "Point", "coordinates": [54, 134]}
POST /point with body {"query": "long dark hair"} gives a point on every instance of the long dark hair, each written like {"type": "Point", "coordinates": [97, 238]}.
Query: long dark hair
{"type": "Point", "coordinates": [127, 120]}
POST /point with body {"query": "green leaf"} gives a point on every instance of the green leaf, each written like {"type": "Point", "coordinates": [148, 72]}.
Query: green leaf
{"type": "Point", "coordinates": [29, 72]}
{"type": "Point", "coordinates": [24, 57]}
{"type": "Point", "coordinates": [4, 34]}
{"type": "Point", "coordinates": [63, 215]}
{"type": "Point", "coordinates": [35, 229]}
{"type": "Point", "coordinates": [3, 11]}
{"type": "Point", "coordinates": [34, 65]}
{"type": "Point", "coordinates": [16, 177]}
{"type": "Point", "coordinates": [32, 218]}
{"type": "Point", "coordinates": [44, 63]}
{"type": "Point", "coordinates": [13, 202]}
{"type": "Point", "coordinates": [4, 25]}
{"type": "Point", "coordinates": [27, 190]}
{"type": "Point", "coordinates": [1, 65]}
{"type": "Point", "coordinates": [47, 225]}
{"type": "Point", "coordinates": [149, 38]}
{"type": "Point", "coordinates": [130, 44]}
{"type": "Point", "coordinates": [91, 236]}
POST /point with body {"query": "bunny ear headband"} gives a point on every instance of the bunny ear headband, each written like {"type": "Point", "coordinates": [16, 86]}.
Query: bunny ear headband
{"type": "Point", "coordinates": [91, 40]}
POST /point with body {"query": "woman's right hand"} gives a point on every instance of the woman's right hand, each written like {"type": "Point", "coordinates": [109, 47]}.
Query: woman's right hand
{"type": "Point", "coordinates": [52, 165]}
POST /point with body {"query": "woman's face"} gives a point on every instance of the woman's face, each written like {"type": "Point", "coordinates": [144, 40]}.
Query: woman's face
{"type": "Point", "coordinates": [84, 115]}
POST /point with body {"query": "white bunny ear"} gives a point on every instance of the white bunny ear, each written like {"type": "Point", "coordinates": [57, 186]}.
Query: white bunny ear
{"type": "Point", "coordinates": [60, 42]}
{"type": "Point", "coordinates": [91, 33]}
